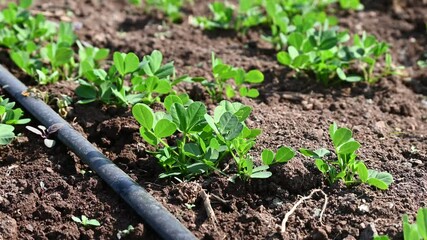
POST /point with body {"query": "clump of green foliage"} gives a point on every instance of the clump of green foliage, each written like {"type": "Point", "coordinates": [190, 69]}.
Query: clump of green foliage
{"type": "Point", "coordinates": [249, 14]}
{"type": "Point", "coordinates": [414, 231]}
{"type": "Point", "coordinates": [9, 115]}
{"type": "Point", "coordinates": [346, 166]}
{"type": "Point", "coordinates": [312, 41]}
{"type": "Point", "coordinates": [277, 14]}
{"type": "Point", "coordinates": [324, 54]}
{"type": "Point", "coordinates": [41, 48]}
{"type": "Point", "coordinates": [172, 8]}
{"type": "Point", "coordinates": [201, 140]}
{"type": "Point", "coordinates": [148, 80]}
{"type": "Point", "coordinates": [221, 85]}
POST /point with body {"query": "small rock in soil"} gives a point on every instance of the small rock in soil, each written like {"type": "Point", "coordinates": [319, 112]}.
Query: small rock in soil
{"type": "Point", "coordinates": [364, 208]}
{"type": "Point", "coordinates": [8, 227]}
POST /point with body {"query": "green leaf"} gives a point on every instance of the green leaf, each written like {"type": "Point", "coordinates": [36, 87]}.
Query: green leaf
{"type": "Point", "coordinates": [196, 116]}
{"type": "Point", "coordinates": [21, 59]}
{"type": "Point", "coordinates": [144, 115]}
{"type": "Point", "coordinates": [131, 63]}
{"type": "Point", "coordinates": [332, 129]}
{"type": "Point", "coordinates": [353, 78]}
{"type": "Point", "coordinates": [229, 92]}
{"type": "Point", "coordinates": [322, 166]}
{"type": "Point", "coordinates": [261, 174]}
{"type": "Point", "coordinates": [171, 99]}
{"type": "Point", "coordinates": [284, 58]}
{"type": "Point", "coordinates": [328, 43]}
{"type": "Point", "coordinates": [284, 154]}
{"type": "Point", "coordinates": [6, 134]}
{"type": "Point", "coordinates": [296, 39]}
{"type": "Point", "coordinates": [119, 62]}
{"type": "Point", "coordinates": [341, 136]}
{"type": "Point", "coordinates": [101, 54]}
{"type": "Point", "coordinates": [381, 180]}
{"type": "Point", "coordinates": [341, 74]}
{"type": "Point", "coordinates": [362, 170]}
{"type": "Point", "coordinates": [322, 152]}
{"type": "Point", "coordinates": [164, 128]}
{"type": "Point", "coordinates": [348, 147]}
{"type": "Point", "coordinates": [214, 144]}
{"type": "Point", "coordinates": [93, 222]}
{"type": "Point", "coordinates": [307, 152]}
{"type": "Point", "coordinates": [191, 119]}
{"type": "Point", "coordinates": [63, 55]}
{"type": "Point", "coordinates": [163, 86]}
{"type": "Point", "coordinates": [156, 59]}
{"type": "Point", "coordinates": [148, 136]}
{"type": "Point", "coordinates": [211, 123]}
{"type": "Point", "coordinates": [252, 93]}
{"type": "Point", "coordinates": [76, 219]}
{"type": "Point", "coordinates": [410, 231]}
{"type": "Point", "coordinates": [229, 126]}
{"type": "Point", "coordinates": [422, 222]}
{"type": "Point", "coordinates": [300, 61]}
{"type": "Point", "coordinates": [293, 52]}
{"type": "Point", "coordinates": [267, 156]}
{"type": "Point", "coordinates": [65, 34]}
{"type": "Point", "coordinates": [88, 92]}
{"type": "Point", "coordinates": [193, 149]}
{"type": "Point", "coordinates": [254, 76]}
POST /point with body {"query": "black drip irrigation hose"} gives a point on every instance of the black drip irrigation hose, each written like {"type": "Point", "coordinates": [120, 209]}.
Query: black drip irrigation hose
{"type": "Point", "coordinates": [151, 211]}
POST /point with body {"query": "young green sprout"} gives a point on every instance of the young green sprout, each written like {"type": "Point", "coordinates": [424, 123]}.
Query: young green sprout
{"type": "Point", "coordinates": [86, 222]}
{"type": "Point", "coordinates": [346, 167]}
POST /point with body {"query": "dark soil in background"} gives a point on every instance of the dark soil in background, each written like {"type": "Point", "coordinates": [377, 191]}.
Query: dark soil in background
{"type": "Point", "coordinates": [42, 188]}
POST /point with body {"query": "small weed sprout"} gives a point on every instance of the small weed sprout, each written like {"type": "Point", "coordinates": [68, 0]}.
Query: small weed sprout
{"type": "Point", "coordinates": [46, 133]}
{"type": "Point", "coordinates": [86, 222]}
{"type": "Point", "coordinates": [125, 232]}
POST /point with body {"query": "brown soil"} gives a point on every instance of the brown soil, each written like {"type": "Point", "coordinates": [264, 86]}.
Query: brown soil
{"type": "Point", "coordinates": [41, 189]}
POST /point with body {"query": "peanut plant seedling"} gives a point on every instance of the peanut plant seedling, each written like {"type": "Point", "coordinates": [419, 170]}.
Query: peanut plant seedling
{"type": "Point", "coordinates": [86, 222]}
{"type": "Point", "coordinates": [283, 17]}
{"type": "Point", "coordinates": [223, 73]}
{"type": "Point", "coordinates": [203, 141]}
{"type": "Point", "coordinates": [324, 54]}
{"type": "Point", "coordinates": [125, 232]}
{"type": "Point", "coordinates": [9, 116]}
{"type": "Point", "coordinates": [249, 14]}
{"type": "Point", "coordinates": [346, 167]}
{"type": "Point", "coordinates": [149, 79]}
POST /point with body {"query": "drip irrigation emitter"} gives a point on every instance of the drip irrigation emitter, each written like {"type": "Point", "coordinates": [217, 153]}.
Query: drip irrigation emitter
{"type": "Point", "coordinates": [151, 211]}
